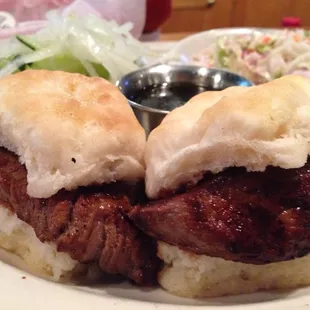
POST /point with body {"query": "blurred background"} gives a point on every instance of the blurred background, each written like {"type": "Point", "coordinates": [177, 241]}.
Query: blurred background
{"type": "Point", "coordinates": [189, 16]}
{"type": "Point", "coordinates": [175, 19]}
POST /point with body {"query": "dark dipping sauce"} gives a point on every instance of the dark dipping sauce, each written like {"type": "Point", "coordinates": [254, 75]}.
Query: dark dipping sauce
{"type": "Point", "coordinates": [167, 96]}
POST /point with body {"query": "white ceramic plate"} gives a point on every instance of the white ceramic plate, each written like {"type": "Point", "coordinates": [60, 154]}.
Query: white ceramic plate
{"type": "Point", "coordinates": [20, 290]}
{"type": "Point", "coordinates": [188, 47]}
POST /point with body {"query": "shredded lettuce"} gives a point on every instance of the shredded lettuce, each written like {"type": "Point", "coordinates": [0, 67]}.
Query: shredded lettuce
{"type": "Point", "coordinates": [263, 48]}
{"type": "Point", "coordinates": [278, 75]}
{"type": "Point", "coordinates": [223, 57]}
{"type": "Point", "coordinates": [89, 45]}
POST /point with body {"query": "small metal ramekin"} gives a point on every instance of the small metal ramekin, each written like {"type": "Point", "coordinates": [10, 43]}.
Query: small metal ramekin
{"type": "Point", "coordinates": [149, 118]}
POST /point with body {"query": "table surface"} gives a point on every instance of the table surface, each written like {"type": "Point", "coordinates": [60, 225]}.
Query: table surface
{"type": "Point", "coordinates": [176, 36]}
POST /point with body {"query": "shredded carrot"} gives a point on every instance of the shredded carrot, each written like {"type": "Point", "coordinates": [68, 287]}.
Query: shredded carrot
{"type": "Point", "coordinates": [296, 38]}
{"type": "Point", "coordinates": [266, 39]}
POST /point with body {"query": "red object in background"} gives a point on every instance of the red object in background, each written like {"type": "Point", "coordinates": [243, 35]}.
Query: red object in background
{"type": "Point", "coordinates": [291, 22]}
{"type": "Point", "coordinates": [157, 12]}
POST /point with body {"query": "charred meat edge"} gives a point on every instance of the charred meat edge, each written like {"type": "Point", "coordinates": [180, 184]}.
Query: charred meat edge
{"type": "Point", "coordinates": [90, 223]}
{"type": "Point", "coordinates": [249, 217]}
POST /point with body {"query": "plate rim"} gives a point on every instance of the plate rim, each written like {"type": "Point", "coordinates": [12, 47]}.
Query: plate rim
{"type": "Point", "coordinates": [19, 282]}
{"type": "Point", "coordinates": [219, 32]}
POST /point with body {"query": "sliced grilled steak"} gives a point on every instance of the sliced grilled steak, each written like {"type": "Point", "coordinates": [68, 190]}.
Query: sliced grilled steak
{"type": "Point", "coordinates": [90, 224]}
{"type": "Point", "coordinates": [251, 217]}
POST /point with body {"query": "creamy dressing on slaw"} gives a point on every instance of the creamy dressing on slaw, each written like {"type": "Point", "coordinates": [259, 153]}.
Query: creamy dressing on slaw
{"type": "Point", "coordinates": [260, 57]}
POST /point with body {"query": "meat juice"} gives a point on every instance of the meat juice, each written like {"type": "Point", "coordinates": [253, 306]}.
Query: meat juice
{"type": "Point", "coordinates": [167, 96]}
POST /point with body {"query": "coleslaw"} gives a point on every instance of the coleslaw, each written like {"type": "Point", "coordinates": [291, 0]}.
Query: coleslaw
{"type": "Point", "coordinates": [260, 57]}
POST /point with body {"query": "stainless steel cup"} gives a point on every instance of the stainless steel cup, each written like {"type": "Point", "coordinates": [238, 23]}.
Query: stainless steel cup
{"type": "Point", "coordinates": [149, 118]}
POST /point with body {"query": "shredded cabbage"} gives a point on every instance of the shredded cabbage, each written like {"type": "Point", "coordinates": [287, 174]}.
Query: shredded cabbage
{"type": "Point", "coordinates": [91, 40]}
{"type": "Point", "coordinates": [260, 57]}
